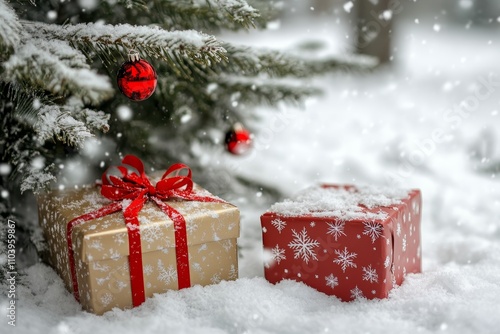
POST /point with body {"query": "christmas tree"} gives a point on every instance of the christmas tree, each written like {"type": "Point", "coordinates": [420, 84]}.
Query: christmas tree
{"type": "Point", "coordinates": [60, 105]}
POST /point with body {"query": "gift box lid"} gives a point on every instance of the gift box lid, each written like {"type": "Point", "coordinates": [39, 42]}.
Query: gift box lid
{"type": "Point", "coordinates": [107, 238]}
{"type": "Point", "coordinates": [343, 202]}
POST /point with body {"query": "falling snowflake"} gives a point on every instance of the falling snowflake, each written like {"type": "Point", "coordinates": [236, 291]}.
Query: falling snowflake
{"type": "Point", "coordinates": [336, 229]}
{"type": "Point", "coordinates": [215, 279]}
{"type": "Point", "coordinates": [278, 254]}
{"type": "Point", "coordinates": [303, 246]}
{"type": "Point", "coordinates": [373, 230]}
{"type": "Point", "coordinates": [356, 293]}
{"type": "Point", "coordinates": [278, 224]}
{"type": "Point", "coordinates": [404, 243]}
{"type": "Point", "coordinates": [345, 259]}
{"type": "Point", "coordinates": [387, 261]}
{"type": "Point", "coordinates": [370, 274]}
{"type": "Point", "coordinates": [166, 275]}
{"type": "Point", "coordinates": [331, 281]}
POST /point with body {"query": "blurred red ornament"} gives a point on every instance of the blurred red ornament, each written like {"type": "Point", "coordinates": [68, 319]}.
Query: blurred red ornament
{"type": "Point", "coordinates": [238, 140]}
{"type": "Point", "coordinates": [136, 78]}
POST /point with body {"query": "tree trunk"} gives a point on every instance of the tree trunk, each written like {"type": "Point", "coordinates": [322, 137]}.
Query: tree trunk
{"type": "Point", "coordinates": [375, 27]}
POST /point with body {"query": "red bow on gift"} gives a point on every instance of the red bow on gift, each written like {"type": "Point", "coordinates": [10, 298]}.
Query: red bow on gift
{"type": "Point", "coordinates": [129, 182]}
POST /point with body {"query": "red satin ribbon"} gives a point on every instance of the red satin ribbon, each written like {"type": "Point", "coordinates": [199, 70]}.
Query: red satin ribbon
{"type": "Point", "coordinates": [132, 183]}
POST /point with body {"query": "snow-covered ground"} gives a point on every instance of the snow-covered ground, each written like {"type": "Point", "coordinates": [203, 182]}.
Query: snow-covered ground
{"type": "Point", "coordinates": [405, 125]}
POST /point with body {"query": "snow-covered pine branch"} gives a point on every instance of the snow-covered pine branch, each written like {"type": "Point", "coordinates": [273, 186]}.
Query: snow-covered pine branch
{"type": "Point", "coordinates": [140, 4]}
{"type": "Point", "coordinates": [56, 67]}
{"type": "Point", "coordinates": [253, 61]}
{"type": "Point", "coordinates": [67, 124]}
{"type": "Point", "coordinates": [258, 91]}
{"type": "Point", "coordinates": [181, 49]}
{"type": "Point", "coordinates": [10, 28]}
{"type": "Point", "coordinates": [197, 14]}
{"type": "Point", "coordinates": [35, 179]}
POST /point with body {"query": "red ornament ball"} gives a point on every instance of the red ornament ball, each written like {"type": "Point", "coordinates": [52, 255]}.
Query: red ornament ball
{"type": "Point", "coordinates": [238, 141]}
{"type": "Point", "coordinates": [137, 79]}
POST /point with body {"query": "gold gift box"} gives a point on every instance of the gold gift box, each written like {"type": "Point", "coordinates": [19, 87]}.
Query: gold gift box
{"type": "Point", "coordinates": [101, 245]}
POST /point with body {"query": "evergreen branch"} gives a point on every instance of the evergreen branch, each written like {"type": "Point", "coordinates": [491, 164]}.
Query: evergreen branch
{"type": "Point", "coordinates": [57, 122]}
{"type": "Point", "coordinates": [255, 91]}
{"type": "Point", "coordinates": [277, 64]}
{"type": "Point", "coordinates": [10, 29]}
{"type": "Point", "coordinates": [139, 4]}
{"type": "Point", "coordinates": [204, 14]}
{"type": "Point", "coordinates": [56, 67]}
{"type": "Point", "coordinates": [93, 120]}
{"type": "Point", "coordinates": [106, 41]}
{"type": "Point", "coordinates": [36, 179]}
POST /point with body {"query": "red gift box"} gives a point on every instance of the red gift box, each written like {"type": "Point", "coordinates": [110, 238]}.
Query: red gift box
{"type": "Point", "coordinates": [345, 241]}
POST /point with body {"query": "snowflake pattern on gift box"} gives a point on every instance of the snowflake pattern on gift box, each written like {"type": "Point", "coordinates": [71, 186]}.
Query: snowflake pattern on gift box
{"type": "Point", "coordinates": [331, 281]}
{"type": "Point", "coordinates": [106, 299]}
{"type": "Point", "coordinates": [356, 293]}
{"type": "Point", "coordinates": [336, 229]}
{"type": "Point", "coordinates": [278, 254]}
{"type": "Point", "coordinates": [215, 279]}
{"type": "Point", "coordinates": [373, 230]}
{"type": "Point", "coordinates": [166, 275]}
{"type": "Point", "coordinates": [278, 224]}
{"type": "Point", "coordinates": [387, 261]}
{"type": "Point", "coordinates": [233, 272]}
{"type": "Point", "coordinates": [303, 246]}
{"type": "Point", "coordinates": [151, 232]}
{"type": "Point", "coordinates": [370, 274]}
{"type": "Point", "coordinates": [345, 259]}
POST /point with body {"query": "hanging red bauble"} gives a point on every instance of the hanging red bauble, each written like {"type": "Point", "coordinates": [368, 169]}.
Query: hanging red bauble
{"type": "Point", "coordinates": [238, 140]}
{"type": "Point", "coordinates": [136, 78]}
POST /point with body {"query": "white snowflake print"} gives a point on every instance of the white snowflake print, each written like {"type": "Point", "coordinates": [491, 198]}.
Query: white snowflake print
{"type": "Point", "coordinates": [336, 229]}
{"type": "Point", "coordinates": [404, 243]}
{"type": "Point", "coordinates": [227, 245]}
{"type": "Point", "coordinates": [303, 246]}
{"type": "Point", "coordinates": [233, 273]}
{"type": "Point", "coordinates": [106, 299]}
{"type": "Point", "coordinates": [151, 232]}
{"type": "Point", "coordinates": [191, 227]}
{"type": "Point", "coordinates": [278, 224]}
{"type": "Point", "coordinates": [312, 224]}
{"type": "Point", "coordinates": [387, 261]}
{"type": "Point", "coordinates": [373, 230]}
{"type": "Point", "coordinates": [331, 281]}
{"type": "Point", "coordinates": [345, 259]}
{"type": "Point", "coordinates": [215, 279]}
{"type": "Point", "coordinates": [398, 229]}
{"type": "Point", "coordinates": [166, 275]}
{"type": "Point", "coordinates": [356, 293]}
{"type": "Point", "coordinates": [278, 254]}
{"type": "Point", "coordinates": [411, 230]}
{"type": "Point", "coordinates": [148, 269]}
{"type": "Point", "coordinates": [370, 274]}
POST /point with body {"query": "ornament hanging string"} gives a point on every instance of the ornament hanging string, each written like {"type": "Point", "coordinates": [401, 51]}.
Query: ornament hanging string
{"type": "Point", "coordinates": [129, 182]}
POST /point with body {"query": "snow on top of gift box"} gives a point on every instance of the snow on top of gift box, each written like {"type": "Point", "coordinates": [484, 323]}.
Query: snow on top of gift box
{"type": "Point", "coordinates": [344, 202]}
